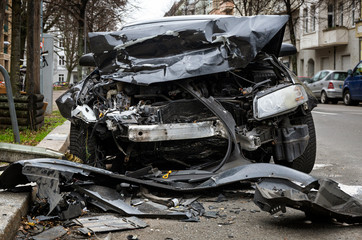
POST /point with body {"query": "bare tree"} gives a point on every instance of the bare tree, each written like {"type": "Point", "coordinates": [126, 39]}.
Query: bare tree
{"type": "Point", "coordinates": [15, 46]}
{"type": "Point", "coordinates": [83, 16]}
{"type": "Point", "coordinates": [249, 8]}
{"type": "Point", "coordinates": [2, 19]}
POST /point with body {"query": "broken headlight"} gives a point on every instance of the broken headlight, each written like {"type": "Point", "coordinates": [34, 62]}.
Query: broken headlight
{"type": "Point", "coordinates": [279, 101]}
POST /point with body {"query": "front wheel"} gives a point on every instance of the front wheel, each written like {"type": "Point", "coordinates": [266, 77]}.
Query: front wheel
{"type": "Point", "coordinates": [83, 144]}
{"type": "Point", "coordinates": [305, 162]}
{"type": "Point", "coordinates": [348, 100]}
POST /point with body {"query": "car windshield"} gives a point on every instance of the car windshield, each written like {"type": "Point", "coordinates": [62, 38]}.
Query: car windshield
{"type": "Point", "coordinates": [339, 76]}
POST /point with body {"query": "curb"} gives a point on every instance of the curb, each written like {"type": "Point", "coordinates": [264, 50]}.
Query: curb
{"type": "Point", "coordinates": [15, 205]}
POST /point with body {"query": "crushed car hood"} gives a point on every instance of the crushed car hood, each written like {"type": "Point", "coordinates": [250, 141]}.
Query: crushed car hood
{"type": "Point", "coordinates": [176, 48]}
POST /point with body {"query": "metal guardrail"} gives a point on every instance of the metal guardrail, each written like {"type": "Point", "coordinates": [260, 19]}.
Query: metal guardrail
{"type": "Point", "coordinates": [9, 93]}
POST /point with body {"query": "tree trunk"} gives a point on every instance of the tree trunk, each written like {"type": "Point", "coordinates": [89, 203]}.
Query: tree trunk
{"type": "Point", "coordinates": [69, 74]}
{"type": "Point", "coordinates": [33, 48]}
{"type": "Point", "coordinates": [291, 34]}
{"type": "Point", "coordinates": [2, 15]}
{"type": "Point", "coordinates": [82, 9]}
{"type": "Point", "coordinates": [15, 47]}
{"type": "Point", "coordinates": [80, 47]}
{"type": "Point", "coordinates": [23, 32]}
{"type": "Point", "coordinates": [33, 57]}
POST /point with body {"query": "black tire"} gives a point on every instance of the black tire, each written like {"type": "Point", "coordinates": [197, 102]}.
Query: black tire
{"type": "Point", "coordinates": [82, 144]}
{"type": "Point", "coordinates": [348, 100]}
{"type": "Point", "coordinates": [324, 98]}
{"type": "Point", "coordinates": [306, 161]}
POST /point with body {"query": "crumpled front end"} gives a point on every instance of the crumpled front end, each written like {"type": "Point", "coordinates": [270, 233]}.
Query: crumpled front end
{"type": "Point", "coordinates": [189, 93]}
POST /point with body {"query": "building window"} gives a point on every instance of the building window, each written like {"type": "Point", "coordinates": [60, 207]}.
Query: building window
{"type": "Point", "coordinates": [305, 18]}
{"type": "Point", "coordinates": [314, 19]}
{"type": "Point", "coordinates": [330, 15]}
{"type": "Point", "coordinates": [61, 60]}
{"type": "Point", "coordinates": [341, 14]}
{"type": "Point", "coordinates": [61, 77]}
{"type": "Point", "coordinates": [61, 43]}
{"type": "Point", "coordinates": [215, 4]}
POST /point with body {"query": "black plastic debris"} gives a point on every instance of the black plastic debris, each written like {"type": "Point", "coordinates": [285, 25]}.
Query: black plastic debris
{"type": "Point", "coordinates": [108, 223]}
{"type": "Point", "coordinates": [50, 234]}
{"type": "Point", "coordinates": [211, 214]}
{"type": "Point", "coordinates": [325, 201]}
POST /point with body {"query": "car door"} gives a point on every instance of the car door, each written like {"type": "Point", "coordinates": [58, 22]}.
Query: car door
{"type": "Point", "coordinates": [312, 81]}
{"type": "Point", "coordinates": [317, 84]}
{"type": "Point", "coordinates": [355, 84]}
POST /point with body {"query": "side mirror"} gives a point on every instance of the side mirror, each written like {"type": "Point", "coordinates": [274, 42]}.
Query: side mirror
{"type": "Point", "coordinates": [349, 72]}
{"type": "Point", "coordinates": [87, 60]}
{"type": "Point", "coordinates": [287, 50]}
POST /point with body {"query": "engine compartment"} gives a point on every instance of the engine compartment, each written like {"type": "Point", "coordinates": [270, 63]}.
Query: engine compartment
{"type": "Point", "coordinates": [191, 123]}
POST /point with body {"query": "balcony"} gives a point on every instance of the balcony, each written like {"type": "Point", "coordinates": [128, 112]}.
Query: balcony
{"type": "Point", "coordinates": [334, 37]}
{"type": "Point", "coordinates": [327, 38]}
{"type": "Point", "coordinates": [309, 41]}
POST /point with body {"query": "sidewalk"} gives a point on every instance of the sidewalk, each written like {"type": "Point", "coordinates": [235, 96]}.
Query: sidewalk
{"type": "Point", "coordinates": [15, 205]}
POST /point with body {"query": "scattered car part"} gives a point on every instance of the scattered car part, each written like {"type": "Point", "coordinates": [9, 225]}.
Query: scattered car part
{"type": "Point", "coordinates": [108, 223]}
{"type": "Point", "coordinates": [111, 198]}
{"type": "Point", "coordinates": [50, 234]}
{"type": "Point", "coordinates": [325, 201]}
{"type": "Point", "coordinates": [33, 170]}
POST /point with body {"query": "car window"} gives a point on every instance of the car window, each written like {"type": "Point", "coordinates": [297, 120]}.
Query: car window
{"type": "Point", "coordinates": [329, 77]}
{"type": "Point", "coordinates": [341, 76]}
{"type": "Point", "coordinates": [358, 70]}
{"type": "Point", "coordinates": [323, 74]}
{"type": "Point", "coordinates": [315, 77]}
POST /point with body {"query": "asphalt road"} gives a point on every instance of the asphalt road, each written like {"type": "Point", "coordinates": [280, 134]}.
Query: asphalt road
{"type": "Point", "coordinates": [339, 143]}
{"type": "Point", "coordinates": [339, 156]}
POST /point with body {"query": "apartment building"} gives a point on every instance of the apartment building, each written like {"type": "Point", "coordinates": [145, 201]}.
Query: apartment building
{"type": "Point", "coordinates": [190, 7]}
{"type": "Point", "coordinates": [60, 72]}
{"type": "Point", "coordinates": [5, 38]}
{"type": "Point", "coordinates": [326, 36]}
{"type": "Point", "coordinates": [326, 31]}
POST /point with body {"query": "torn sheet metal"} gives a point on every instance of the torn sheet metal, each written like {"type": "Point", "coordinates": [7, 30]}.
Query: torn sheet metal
{"type": "Point", "coordinates": [13, 175]}
{"type": "Point", "coordinates": [328, 201]}
{"type": "Point", "coordinates": [108, 223]}
{"type": "Point", "coordinates": [112, 199]}
{"type": "Point", "coordinates": [109, 197]}
{"type": "Point", "coordinates": [176, 48]}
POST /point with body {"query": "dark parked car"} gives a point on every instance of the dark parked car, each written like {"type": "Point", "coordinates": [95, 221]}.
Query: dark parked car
{"type": "Point", "coordinates": [352, 88]}
{"type": "Point", "coordinates": [197, 93]}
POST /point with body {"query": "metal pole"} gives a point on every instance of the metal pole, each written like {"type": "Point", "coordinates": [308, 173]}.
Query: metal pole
{"type": "Point", "coordinates": [9, 93]}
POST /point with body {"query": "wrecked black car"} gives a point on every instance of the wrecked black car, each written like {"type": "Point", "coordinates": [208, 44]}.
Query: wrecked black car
{"type": "Point", "coordinates": [200, 92]}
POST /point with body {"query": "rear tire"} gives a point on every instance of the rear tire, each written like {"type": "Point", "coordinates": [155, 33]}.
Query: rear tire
{"type": "Point", "coordinates": [324, 98]}
{"type": "Point", "coordinates": [82, 144]}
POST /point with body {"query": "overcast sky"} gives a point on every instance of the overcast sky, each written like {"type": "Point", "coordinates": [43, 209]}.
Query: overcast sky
{"type": "Point", "coordinates": [148, 9]}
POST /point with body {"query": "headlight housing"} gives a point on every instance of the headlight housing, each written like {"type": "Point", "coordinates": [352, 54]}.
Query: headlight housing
{"type": "Point", "coordinates": [279, 102]}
